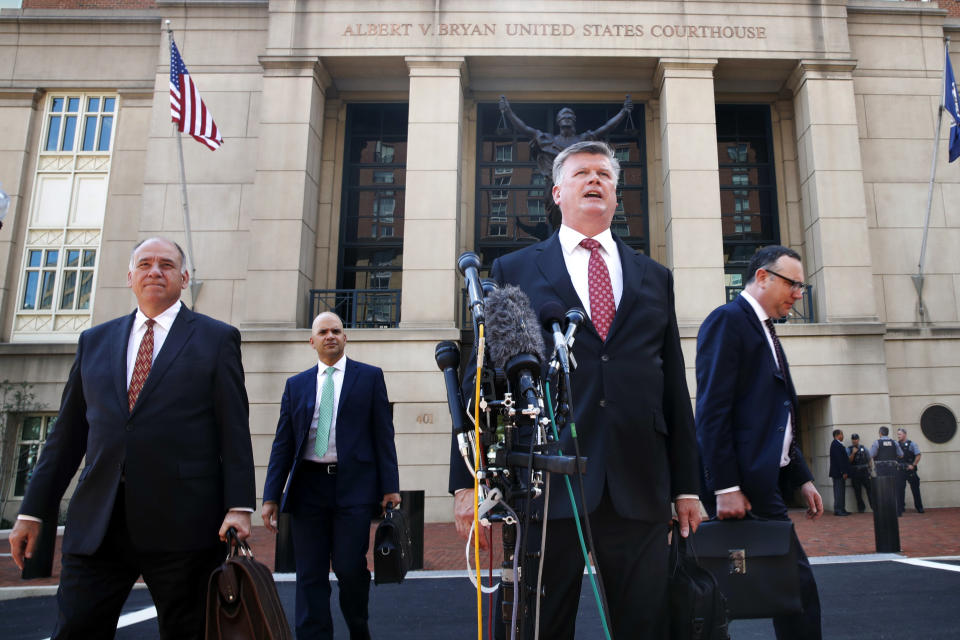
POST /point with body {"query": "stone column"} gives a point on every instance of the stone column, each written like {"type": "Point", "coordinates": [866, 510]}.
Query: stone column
{"type": "Point", "coordinates": [18, 110]}
{"type": "Point", "coordinates": [836, 254]}
{"type": "Point", "coordinates": [691, 185]}
{"type": "Point", "coordinates": [283, 226]}
{"type": "Point", "coordinates": [432, 210]}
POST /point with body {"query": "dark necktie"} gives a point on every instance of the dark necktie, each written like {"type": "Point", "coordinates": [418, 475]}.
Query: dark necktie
{"type": "Point", "coordinates": [782, 365]}
{"type": "Point", "coordinates": [141, 367]}
{"type": "Point", "coordinates": [602, 304]}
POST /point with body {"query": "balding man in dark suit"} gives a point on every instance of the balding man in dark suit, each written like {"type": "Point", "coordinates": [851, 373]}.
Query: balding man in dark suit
{"type": "Point", "coordinates": [155, 404]}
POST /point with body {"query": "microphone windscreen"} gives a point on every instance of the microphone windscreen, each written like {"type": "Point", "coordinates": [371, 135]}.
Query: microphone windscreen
{"type": "Point", "coordinates": [551, 311]}
{"type": "Point", "coordinates": [511, 326]}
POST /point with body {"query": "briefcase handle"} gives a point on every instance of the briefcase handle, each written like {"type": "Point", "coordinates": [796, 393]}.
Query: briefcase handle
{"type": "Point", "coordinates": [235, 546]}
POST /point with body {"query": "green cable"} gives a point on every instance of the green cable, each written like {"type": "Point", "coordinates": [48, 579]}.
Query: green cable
{"type": "Point", "coordinates": [576, 517]}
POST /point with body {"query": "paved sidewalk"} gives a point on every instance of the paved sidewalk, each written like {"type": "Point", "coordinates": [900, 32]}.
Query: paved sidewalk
{"type": "Point", "coordinates": [934, 533]}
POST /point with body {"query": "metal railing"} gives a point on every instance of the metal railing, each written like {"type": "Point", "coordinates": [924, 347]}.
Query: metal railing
{"type": "Point", "coordinates": [803, 311]}
{"type": "Point", "coordinates": [358, 308]}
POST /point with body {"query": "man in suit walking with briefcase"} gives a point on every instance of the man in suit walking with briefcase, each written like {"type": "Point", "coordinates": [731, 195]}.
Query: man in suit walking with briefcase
{"type": "Point", "coordinates": [746, 415]}
{"type": "Point", "coordinates": [333, 460]}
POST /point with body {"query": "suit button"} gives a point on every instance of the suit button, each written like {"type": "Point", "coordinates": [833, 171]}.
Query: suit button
{"type": "Point", "coordinates": [603, 403]}
{"type": "Point", "coordinates": [781, 429]}
{"type": "Point", "coordinates": [129, 427]}
{"type": "Point", "coordinates": [786, 403]}
{"type": "Point", "coordinates": [604, 358]}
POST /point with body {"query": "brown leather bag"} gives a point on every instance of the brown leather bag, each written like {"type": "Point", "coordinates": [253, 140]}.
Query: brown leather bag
{"type": "Point", "coordinates": [242, 599]}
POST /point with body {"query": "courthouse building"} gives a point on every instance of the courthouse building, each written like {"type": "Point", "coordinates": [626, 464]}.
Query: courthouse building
{"type": "Point", "coordinates": [364, 150]}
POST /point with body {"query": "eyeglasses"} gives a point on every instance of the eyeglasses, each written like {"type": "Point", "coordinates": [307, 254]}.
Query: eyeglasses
{"type": "Point", "coordinates": [795, 285]}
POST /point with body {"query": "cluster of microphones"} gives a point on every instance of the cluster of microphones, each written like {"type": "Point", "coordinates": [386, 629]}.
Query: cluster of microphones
{"type": "Point", "coordinates": [514, 346]}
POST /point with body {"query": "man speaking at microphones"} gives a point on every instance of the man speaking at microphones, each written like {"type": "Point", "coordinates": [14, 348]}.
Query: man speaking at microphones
{"type": "Point", "coordinates": [631, 406]}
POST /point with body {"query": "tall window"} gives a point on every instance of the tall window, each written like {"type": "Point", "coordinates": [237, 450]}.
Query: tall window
{"type": "Point", "coordinates": [371, 221]}
{"type": "Point", "coordinates": [512, 194]}
{"type": "Point", "coordinates": [34, 430]}
{"type": "Point", "coordinates": [67, 206]}
{"type": "Point", "coordinates": [748, 204]}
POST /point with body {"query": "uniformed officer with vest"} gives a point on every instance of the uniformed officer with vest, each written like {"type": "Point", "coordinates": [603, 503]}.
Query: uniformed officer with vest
{"type": "Point", "coordinates": [908, 472]}
{"type": "Point", "coordinates": [860, 472]}
{"type": "Point", "coordinates": [886, 454]}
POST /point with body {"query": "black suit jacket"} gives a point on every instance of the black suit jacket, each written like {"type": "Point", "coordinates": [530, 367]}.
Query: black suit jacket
{"type": "Point", "coordinates": [743, 402]}
{"type": "Point", "coordinates": [631, 405]}
{"type": "Point", "coordinates": [184, 451]}
{"type": "Point", "coordinates": [839, 462]}
{"type": "Point", "coordinates": [366, 454]}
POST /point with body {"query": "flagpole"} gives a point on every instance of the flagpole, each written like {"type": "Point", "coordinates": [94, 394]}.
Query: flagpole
{"type": "Point", "coordinates": [194, 283]}
{"type": "Point", "coordinates": [918, 279]}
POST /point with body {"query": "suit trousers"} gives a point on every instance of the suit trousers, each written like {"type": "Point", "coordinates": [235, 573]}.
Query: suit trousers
{"type": "Point", "coordinates": [632, 556]}
{"type": "Point", "coordinates": [93, 588]}
{"type": "Point", "coordinates": [839, 494]}
{"type": "Point", "coordinates": [325, 533]}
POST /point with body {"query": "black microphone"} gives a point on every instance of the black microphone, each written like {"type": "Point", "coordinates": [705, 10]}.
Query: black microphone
{"type": "Point", "coordinates": [468, 263]}
{"type": "Point", "coordinates": [574, 317]}
{"type": "Point", "coordinates": [515, 340]}
{"type": "Point", "coordinates": [550, 315]}
{"type": "Point", "coordinates": [488, 285]}
{"type": "Point", "coordinates": [448, 359]}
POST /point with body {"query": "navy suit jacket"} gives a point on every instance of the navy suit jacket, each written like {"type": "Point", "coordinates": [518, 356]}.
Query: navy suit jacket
{"type": "Point", "coordinates": [184, 450]}
{"type": "Point", "coordinates": [630, 398]}
{"type": "Point", "coordinates": [366, 454]}
{"type": "Point", "coordinates": [839, 462]}
{"type": "Point", "coordinates": [743, 402]}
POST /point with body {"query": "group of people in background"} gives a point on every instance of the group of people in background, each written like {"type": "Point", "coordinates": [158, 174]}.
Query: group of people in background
{"type": "Point", "coordinates": [886, 456]}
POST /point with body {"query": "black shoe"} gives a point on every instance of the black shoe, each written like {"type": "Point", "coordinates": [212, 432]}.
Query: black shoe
{"type": "Point", "coordinates": [919, 510]}
{"type": "Point", "coordinates": [861, 510]}
{"type": "Point", "coordinates": [841, 513]}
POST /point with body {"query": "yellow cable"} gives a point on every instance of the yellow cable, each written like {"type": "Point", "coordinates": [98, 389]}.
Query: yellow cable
{"type": "Point", "coordinates": [476, 483]}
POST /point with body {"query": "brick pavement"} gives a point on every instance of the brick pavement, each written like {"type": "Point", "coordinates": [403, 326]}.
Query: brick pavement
{"type": "Point", "coordinates": [934, 533]}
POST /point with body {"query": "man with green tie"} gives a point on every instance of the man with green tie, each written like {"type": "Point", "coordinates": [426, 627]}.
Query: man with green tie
{"type": "Point", "coordinates": [334, 452]}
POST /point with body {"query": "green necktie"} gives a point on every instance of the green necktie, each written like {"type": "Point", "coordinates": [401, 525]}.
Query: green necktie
{"type": "Point", "coordinates": [325, 416]}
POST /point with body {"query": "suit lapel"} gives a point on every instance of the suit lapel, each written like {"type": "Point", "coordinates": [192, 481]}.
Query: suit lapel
{"type": "Point", "coordinates": [754, 323]}
{"type": "Point", "coordinates": [119, 363]}
{"type": "Point", "coordinates": [349, 378]}
{"type": "Point", "coordinates": [180, 332]}
{"type": "Point", "coordinates": [633, 272]}
{"type": "Point", "coordinates": [306, 397]}
{"type": "Point", "coordinates": [554, 270]}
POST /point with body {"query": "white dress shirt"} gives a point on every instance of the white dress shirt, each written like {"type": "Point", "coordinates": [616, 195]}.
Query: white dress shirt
{"type": "Point", "coordinates": [331, 455]}
{"type": "Point", "coordinates": [577, 260]}
{"type": "Point", "coordinates": [160, 330]}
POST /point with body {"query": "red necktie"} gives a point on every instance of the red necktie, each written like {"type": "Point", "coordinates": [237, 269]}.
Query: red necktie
{"type": "Point", "coordinates": [141, 368]}
{"type": "Point", "coordinates": [602, 305]}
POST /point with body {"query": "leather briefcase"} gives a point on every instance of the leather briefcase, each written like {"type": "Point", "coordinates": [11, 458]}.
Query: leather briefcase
{"type": "Point", "coordinates": [391, 547]}
{"type": "Point", "coordinates": [698, 610]}
{"type": "Point", "coordinates": [755, 564]}
{"type": "Point", "coordinates": [242, 599]}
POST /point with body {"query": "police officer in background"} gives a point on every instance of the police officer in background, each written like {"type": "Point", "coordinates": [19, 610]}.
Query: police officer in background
{"type": "Point", "coordinates": [859, 472]}
{"type": "Point", "coordinates": [908, 472]}
{"type": "Point", "coordinates": [885, 453]}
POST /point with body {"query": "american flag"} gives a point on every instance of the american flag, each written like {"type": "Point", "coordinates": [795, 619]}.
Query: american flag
{"type": "Point", "coordinates": [186, 106]}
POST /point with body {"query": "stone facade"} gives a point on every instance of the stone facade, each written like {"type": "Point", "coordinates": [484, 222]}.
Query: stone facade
{"type": "Point", "coordinates": [852, 89]}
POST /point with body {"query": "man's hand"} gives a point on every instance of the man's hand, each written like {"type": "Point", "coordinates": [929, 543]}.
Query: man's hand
{"type": "Point", "coordinates": [504, 105]}
{"type": "Point", "coordinates": [390, 497]}
{"type": "Point", "coordinates": [463, 516]}
{"type": "Point", "coordinates": [270, 513]}
{"type": "Point", "coordinates": [628, 104]}
{"type": "Point", "coordinates": [688, 513]}
{"type": "Point", "coordinates": [239, 520]}
{"type": "Point", "coordinates": [23, 540]}
{"type": "Point", "coordinates": [734, 505]}
{"type": "Point", "coordinates": [813, 500]}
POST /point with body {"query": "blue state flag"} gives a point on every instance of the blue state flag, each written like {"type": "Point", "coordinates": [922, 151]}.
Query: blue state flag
{"type": "Point", "coordinates": [950, 103]}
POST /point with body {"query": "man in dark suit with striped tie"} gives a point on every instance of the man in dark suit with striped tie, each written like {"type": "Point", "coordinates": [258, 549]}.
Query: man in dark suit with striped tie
{"type": "Point", "coordinates": [333, 460]}
{"type": "Point", "coordinates": [155, 403]}
{"type": "Point", "coordinates": [746, 414]}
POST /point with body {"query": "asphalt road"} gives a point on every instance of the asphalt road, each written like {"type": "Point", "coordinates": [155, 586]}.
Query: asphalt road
{"type": "Point", "coordinates": [876, 600]}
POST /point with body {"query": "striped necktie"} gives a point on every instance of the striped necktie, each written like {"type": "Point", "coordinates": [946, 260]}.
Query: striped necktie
{"type": "Point", "coordinates": [141, 367]}
{"type": "Point", "coordinates": [325, 415]}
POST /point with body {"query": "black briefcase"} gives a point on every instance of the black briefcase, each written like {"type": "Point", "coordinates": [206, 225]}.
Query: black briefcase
{"type": "Point", "coordinates": [698, 610]}
{"type": "Point", "coordinates": [391, 547]}
{"type": "Point", "coordinates": [755, 564]}
{"type": "Point", "coordinates": [242, 599]}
